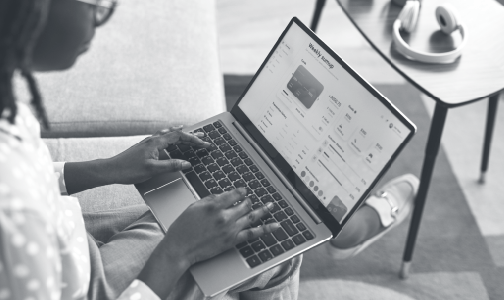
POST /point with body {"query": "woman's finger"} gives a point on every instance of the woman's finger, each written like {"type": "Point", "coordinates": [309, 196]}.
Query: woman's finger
{"type": "Point", "coordinates": [255, 232]}
{"type": "Point", "coordinates": [239, 210]}
{"type": "Point", "coordinates": [248, 219]}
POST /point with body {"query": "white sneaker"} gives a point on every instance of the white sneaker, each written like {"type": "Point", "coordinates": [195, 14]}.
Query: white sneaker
{"type": "Point", "coordinates": [393, 203]}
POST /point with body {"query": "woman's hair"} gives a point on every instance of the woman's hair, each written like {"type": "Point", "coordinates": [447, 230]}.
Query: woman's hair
{"type": "Point", "coordinates": [20, 24]}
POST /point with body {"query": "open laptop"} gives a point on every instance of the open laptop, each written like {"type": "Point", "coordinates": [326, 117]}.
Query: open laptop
{"type": "Point", "coordinates": [308, 134]}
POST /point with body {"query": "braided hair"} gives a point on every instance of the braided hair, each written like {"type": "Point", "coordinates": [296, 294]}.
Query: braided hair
{"type": "Point", "coordinates": [20, 24]}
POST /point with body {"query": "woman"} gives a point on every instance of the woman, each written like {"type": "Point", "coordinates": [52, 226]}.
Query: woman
{"type": "Point", "coordinates": [45, 251]}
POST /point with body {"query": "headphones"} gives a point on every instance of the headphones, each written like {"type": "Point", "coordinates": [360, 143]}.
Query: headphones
{"type": "Point", "coordinates": [407, 20]}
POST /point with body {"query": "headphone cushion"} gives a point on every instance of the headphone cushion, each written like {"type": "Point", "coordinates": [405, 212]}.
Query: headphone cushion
{"type": "Point", "coordinates": [447, 18]}
{"type": "Point", "coordinates": [409, 15]}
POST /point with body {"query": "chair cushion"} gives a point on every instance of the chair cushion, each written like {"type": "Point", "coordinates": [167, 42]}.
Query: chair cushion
{"type": "Point", "coordinates": [153, 65]}
{"type": "Point", "coordinates": [82, 149]}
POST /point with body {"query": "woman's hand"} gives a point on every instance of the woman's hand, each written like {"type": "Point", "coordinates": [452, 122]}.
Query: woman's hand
{"type": "Point", "coordinates": [141, 161]}
{"type": "Point", "coordinates": [135, 165]}
{"type": "Point", "coordinates": [206, 228]}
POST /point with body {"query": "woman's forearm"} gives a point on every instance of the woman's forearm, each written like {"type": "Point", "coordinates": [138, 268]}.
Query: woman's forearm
{"type": "Point", "coordinates": [80, 176]}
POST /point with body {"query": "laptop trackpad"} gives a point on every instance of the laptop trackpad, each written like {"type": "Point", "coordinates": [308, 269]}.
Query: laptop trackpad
{"type": "Point", "coordinates": [169, 201]}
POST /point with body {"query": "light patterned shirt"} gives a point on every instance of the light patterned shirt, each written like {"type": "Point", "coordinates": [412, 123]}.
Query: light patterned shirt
{"type": "Point", "coordinates": [44, 252]}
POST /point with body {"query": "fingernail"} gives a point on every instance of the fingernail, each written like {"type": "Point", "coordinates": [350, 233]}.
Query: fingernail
{"type": "Point", "coordinates": [199, 134]}
{"type": "Point", "coordinates": [276, 226]}
{"type": "Point", "coordinates": [269, 205]}
{"type": "Point", "coordinates": [186, 165]}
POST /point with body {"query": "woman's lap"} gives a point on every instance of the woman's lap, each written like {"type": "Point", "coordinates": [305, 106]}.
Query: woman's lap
{"type": "Point", "coordinates": [122, 240]}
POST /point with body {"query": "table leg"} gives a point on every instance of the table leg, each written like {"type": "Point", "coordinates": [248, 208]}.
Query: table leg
{"type": "Point", "coordinates": [431, 151]}
{"type": "Point", "coordinates": [316, 15]}
{"type": "Point", "coordinates": [493, 100]}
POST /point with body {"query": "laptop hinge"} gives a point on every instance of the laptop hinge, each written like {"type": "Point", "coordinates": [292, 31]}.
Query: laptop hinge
{"type": "Point", "coordinates": [279, 174]}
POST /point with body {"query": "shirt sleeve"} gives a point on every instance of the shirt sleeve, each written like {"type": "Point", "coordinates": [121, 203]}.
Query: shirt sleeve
{"type": "Point", "coordinates": [138, 290]}
{"type": "Point", "coordinates": [29, 268]}
{"type": "Point", "coordinates": [59, 168]}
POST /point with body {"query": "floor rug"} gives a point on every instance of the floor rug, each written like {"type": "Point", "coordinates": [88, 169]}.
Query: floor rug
{"type": "Point", "coordinates": [451, 259]}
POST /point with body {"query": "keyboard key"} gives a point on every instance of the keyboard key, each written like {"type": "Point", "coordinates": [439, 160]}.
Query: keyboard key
{"type": "Point", "coordinates": [289, 227]}
{"type": "Point", "coordinates": [197, 184]}
{"type": "Point", "coordinates": [249, 191]}
{"type": "Point", "coordinates": [243, 155]}
{"type": "Point", "coordinates": [253, 261]}
{"type": "Point", "coordinates": [224, 183]}
{"type": "Point", "coordinates": [254, 168]}
{"type": "Point", "coordinates": [301, 227]}
{"type": "Point", "coordinates": [224, 147]}
{"type": "Point", "coordinates": [208, 128]}
{"type": "Point", "coordinates": [277, 196]}
{"type": "Point", "coordinates": [233, 176]}
{"type": "Point", "coordinates": [187, 170]}
{"type": "Point", "coordinates": [231, 155]}
{"type": "Point", "coordinates": [213, 167]}
{"type": "Point", "coordinates": [256, 205]}
{"type": "Point", "coordinates": [265, 182]}
{"type": "Point", "coordinates": [207, 160]}
{"type": "Point", "coordinates": [289, 211]}
{"type": "Point", "coordinates": [189, 154]}
{"type": "Point", "coordinates": [258, 246]}
{"type": "Point", "coordinates": [229, 188]}
{"type": "Point", "coordinates": [253, 240]}
{"type": "Point", "coordinates": [238, 148]}
{"type": "Point", "coordinates": [270, 221]}
{"type": "Point", "coordinates": [171, 148]}
{"type": "Point", "coordinates": [246, 251]}
{"type": "Point", "coordinates": [298, 239]}
{"type": "Point", "coordinates": [276, 250]}
{"type": "Point", "coordinates": [248, 161]}
{"type": "Point", "coordinates": [184, 148]}
{"type": "Point", "coordinates": [205, 176]}
{"type": "Point", "coordinates": [227, 136]}
{"type": "Point", "coordinates": [265, 255]}
{"type": "Point", "coordinates": [212, 147]}
{"type": "Point", "coordinates": [267, 199]}
{"type": "Point", "coordinates": [210, 184]}
{"type": "Point", "coordinates": [232, 142]}
{"type": "Point", "coordinates": [280, 234]}
{"type": "Point", "coordinates": [206, 139]}
{"type": "Point", "coordinates": [254, 184]}
{"type": "Point", "coordinates": [260, 192]}
{"type": "Point", "coordinates": [216, 191]}
{"type": "Point", "coordinates": [287, 245]}
{"type": "Point", "coordinates": [219, 175]}
{"type": "Point", "coordinates": [219, 141]}
{"type": "Point", "coordinates": [240, 183]}
{"type": "Point", "coordinates": [295, 219]}
{"type": "Point", "coordinates": [268, 239]}
{"type": "Point", "coordinates": [199, 168]}
{"type": "Point", "coordinates": [259, 175]}
{"type": "Point", "coordinates": [242, 244]}
{"type": "Point", "coordinates": [236, 161]}
{"type": "Point", "coordinates": [283, 204]}
{"type": "Point", "coordinates": [217, 154]}
{"type": "Point", "coordinates": [222, 130]}
{"type": "Point", "coordinates": [307, 235]}
{"type": "Point", "coordinates": [214, 134]}
{"type": "Point", "coordinates": [254, 199]}
{"type": "Point", "coordinates": [176, 154]}
{"type": "Point", "coordinates": [280, 216]}
{"type": "Point", "coordinates": [202, 152]}
{"type": "Point", "coordinates": [217, 124]}
{"type": "Point", "coordinates": [222, 161]}
{"type": "Point", "coordinates": [194, 161]}
{"type": "Point", "coordinates": [271, 190]}
{"type": "Point", "coordinates": [248, 176]}
{"type": "Point", "coordinates": [228, 169]}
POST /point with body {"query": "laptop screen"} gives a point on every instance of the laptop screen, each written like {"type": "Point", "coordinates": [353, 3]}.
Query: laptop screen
{"type": "Point", "coordinates": [334, 134]}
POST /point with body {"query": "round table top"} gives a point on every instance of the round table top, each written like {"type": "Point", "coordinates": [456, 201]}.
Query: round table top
{"type": "Point", "coordinates": [478, 73]}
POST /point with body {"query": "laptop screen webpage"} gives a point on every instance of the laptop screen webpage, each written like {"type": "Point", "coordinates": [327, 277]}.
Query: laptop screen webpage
{"type": "Point", "coordinates": [335, 135]}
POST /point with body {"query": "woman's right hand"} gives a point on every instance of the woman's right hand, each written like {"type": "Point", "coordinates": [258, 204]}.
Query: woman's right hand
{"type": "Point", "coordinates": [213, 225]}
{"type": "Point", "coordinates": [206, 228]}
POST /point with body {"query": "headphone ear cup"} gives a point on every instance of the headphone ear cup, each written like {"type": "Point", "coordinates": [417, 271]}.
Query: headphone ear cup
{"type": "Point", "coordinates": [409, 15]}
{"type": "Point", "coordinates": [447, 18]}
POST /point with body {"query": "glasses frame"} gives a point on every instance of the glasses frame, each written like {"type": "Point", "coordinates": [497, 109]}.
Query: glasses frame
{"type": "Point", "coordinates": [109, 4]}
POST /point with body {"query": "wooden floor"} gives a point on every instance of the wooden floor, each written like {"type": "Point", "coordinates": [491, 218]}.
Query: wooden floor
{"type": "Point", "coordinates": [248, 29]}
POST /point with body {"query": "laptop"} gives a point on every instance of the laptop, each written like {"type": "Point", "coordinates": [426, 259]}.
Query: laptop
{"type": "Point", "coordinates": [308, 134]}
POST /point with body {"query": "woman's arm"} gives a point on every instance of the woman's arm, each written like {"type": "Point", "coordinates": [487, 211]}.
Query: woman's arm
{"type": "Point", "coordinates": [137, 164]}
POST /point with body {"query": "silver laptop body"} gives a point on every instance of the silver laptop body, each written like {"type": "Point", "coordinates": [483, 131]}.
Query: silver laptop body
{"type": "Point", "coordinates": [317, 178]}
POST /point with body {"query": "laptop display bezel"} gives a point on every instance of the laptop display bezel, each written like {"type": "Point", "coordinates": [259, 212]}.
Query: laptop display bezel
{"type": "Point", "coordinates": [284, 166]}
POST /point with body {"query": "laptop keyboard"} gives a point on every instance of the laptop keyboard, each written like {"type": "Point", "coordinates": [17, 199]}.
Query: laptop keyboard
{"type": "Point", "coordinates": [226, 166]}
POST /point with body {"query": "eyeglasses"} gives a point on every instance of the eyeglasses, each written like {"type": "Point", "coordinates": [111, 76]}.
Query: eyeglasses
{"type": "Point", "coordinates": [103, 10]}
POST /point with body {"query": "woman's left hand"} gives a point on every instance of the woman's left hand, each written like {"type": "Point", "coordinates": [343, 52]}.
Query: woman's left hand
{"type": "Point", "coordinates": [141, 161]}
